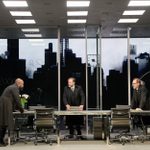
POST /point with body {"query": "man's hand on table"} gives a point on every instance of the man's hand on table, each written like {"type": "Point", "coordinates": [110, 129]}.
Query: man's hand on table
{"type": "Point", "coordinates": [68, 107]}
{"type": "Point", "coordinates": [138, 109]}
{"type": "Point", "coordinates": [81, 107]}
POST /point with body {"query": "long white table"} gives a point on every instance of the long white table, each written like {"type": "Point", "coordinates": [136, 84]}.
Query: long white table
{"type": "Point", "coordinates": [79, 113]}
{"type": "Point", "coordinates": [98, 112]}
{"type": "Point", "coordinates": [95, 113]}
{"type": "Point", "coordinates": [89, 112]}
{"type": "Point", "coordinates": [26, 112]}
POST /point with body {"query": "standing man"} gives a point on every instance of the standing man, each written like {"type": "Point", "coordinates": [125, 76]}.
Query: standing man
{"type": "Point", "coordinates": [140, 99]}
{"type": "Point", "coordinates": [8, 100]}
{"type": "Point", "coordinates": [74, 96]}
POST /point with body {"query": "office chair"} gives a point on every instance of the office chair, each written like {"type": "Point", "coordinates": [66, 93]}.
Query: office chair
{"type": "Point", "coordinates": [21, 129]}
{"type": "Point", "coordinates": [144, 125]}
{"type": "Point", "coordinates": [43, 124]}
{"type": "Point", "coordinates": [120, 124]}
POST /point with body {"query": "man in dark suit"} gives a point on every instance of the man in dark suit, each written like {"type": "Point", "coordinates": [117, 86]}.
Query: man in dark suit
{"type": "Point", "coordinates": [74, 96]}
{"type": "Point", "coordinates": [140, 101]}
{"type": "Point", "coordinates": [140, 98]}
{"type": "Point", "coordinates": [8, 100]}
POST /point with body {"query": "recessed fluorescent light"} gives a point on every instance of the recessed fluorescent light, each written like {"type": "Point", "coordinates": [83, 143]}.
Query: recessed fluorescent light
{"type": "Point", "coordinates": [128, 20]}
{"type": "Point", "coordinates": [117, 34]}
{"type": "Point", "coordinates": [36, 40]}
{"type": "Point", "coordinates": [30, 30]}
{"type": "Point", "coordinates": [25, 21]}
{"type": "Point", "coordinates": [20, 13]}
{"type": "Point", "coordinates": [78, 3]}
{"type": "Point", "coordinates": [15, 3]}
{"type": "Point", "coordinates": [133, 12]}
{"type": "Point", "coordinates": [77, 13]}
{"type": "Point", "coordinates": [33, 35]}
{"type": "Point", "coordinates": [139, 3]}
{"type": "Point", "coordinates": [76, 20]}
{"type": "Point", "coordinates": [119, 29]}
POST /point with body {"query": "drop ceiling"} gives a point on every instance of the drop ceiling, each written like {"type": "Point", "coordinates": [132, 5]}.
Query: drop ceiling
{"type": "Point", "coordinates": [51, 14]}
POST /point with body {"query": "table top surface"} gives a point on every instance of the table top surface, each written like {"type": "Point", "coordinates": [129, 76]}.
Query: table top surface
{"type": "Point", "coordinates": [85, 112]}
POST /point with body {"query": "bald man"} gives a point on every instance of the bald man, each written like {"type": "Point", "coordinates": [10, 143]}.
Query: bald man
{"type": "Point", "coordinates": [8, 100]}
{"type": "Point", "coordinates": [140, 98]}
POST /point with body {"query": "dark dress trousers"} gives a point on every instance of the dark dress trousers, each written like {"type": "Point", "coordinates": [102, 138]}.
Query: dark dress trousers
{"type": "Point", "coordinates": [74, 98]}
{"type": "Point", "coordinates": [8, 100]}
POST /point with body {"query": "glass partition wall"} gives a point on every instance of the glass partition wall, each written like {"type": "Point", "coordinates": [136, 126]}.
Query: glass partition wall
{"type": "Point", "coordinates": [115, 77]}
{"type": "Point", "coordinates": [100, 66]}
{"type": "Point", "coordinates": [140, 55]}
{"type": "Point", "coordinates": [104, 67]}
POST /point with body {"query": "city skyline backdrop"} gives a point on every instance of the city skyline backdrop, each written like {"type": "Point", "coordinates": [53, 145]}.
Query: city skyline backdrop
{"type": "Point", "coordinates": [114, 51]}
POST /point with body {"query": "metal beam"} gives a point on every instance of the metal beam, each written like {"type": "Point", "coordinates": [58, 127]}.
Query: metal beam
{"type": "Point", "coordinates": [86, 58]}
{"type": "Point", "coordinates": [100, 68]}
{"type": "Point", "coordinates": [59, 67]}
{"type": "Point", "coordinates": [129, 66]}
{"type": "Point", "coordinates": [97, 74]}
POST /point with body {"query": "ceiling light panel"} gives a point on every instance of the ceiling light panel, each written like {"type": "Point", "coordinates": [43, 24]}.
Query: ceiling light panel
{"type": "Point", "coordinates": [30, 30]}
{"type": "Point", "coordinates": [76, 21]}
{"type": "Point", "coordinates": [139, 3]}
{"type": "Point", "coordinates": [33, 35]}
{"type": "Point", "coordinates": [134, 12]}
{"type": "Point", "coordinates": [15, 3]}
{"type": "Point", "coordinates": [20, 13]}
{"type": "Point", "coordinates": [134, 20]}
{"type": "Point", "coordinates": [77, 13]}
{"type": "Point", "coordinates": [78, 3]}
{"type": "Point", "coordinates": [25, 21]}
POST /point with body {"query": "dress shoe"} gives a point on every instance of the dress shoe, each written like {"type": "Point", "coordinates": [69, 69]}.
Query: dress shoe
{"type": "Point", "coordinates": [80, 137]}
{"type": "Point", "coordinates": [70, 136]}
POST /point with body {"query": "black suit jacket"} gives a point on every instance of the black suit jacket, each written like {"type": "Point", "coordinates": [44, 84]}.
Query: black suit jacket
{"type": "Point", "coordinates": [140, 98]}
{"type": "Point", "coordinates": [8, 100]}
{"type": "Point", "coordinates": [75, 98]}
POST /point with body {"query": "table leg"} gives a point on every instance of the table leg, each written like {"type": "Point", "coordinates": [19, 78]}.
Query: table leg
{"type": "Point", "coordinates": [58, 136]}
{"type": "Point", "coordinates": [58, 129]}
{"type": "Point", "coordinates": [9, 139]}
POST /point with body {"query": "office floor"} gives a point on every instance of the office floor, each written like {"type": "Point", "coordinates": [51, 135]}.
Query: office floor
{"type": "Point", "coordinates": [80, 145]}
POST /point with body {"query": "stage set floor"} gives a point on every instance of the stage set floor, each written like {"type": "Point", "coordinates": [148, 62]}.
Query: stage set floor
{"type": "Point", "coordinates": [80, 145]}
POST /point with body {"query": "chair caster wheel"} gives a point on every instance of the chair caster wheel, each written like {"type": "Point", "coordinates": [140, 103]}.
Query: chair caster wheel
{"type": "Point", "coordinates": [123, 143]}
{"type": "Point", "coordinates": [50, 144]}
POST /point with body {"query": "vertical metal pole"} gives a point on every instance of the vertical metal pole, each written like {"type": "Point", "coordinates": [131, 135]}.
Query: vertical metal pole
{"type": "Point", "coordinates": [129, 66]}
{"type": "Point", "coordinates": [86, 58]}
{"type": "Point", "coordinates": [100, 69]}
{"type": "Point", "coordinates": [58, 63]}
{"type": "Point", "coordinates": [97, 74]}
{"type": "Point", "coordinates": [9, 139]}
